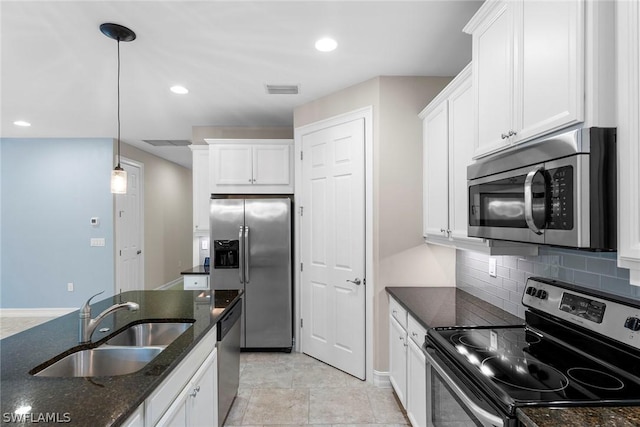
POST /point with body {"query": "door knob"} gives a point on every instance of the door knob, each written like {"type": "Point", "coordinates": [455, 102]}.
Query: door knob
{"type": "Point", "coordinates": [357, 281]}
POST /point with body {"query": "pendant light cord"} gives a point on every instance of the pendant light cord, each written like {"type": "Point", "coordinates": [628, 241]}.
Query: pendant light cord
{"type": "Point", "coordinates": [118, 166]}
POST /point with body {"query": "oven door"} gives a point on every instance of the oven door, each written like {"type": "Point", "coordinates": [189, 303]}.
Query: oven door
{"type": "Point", "coordinates": [451, 401]}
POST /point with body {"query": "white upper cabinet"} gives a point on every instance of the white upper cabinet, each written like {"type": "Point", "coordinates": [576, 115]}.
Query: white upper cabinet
{"type": "Point", "coordinates": [628, 92]}
{"type": "Point", "coordinates": [201, 187]}
{"type": "Point", "coordinates": [534, 67]}
{"type": "Point", "coordinates": [448, 142]}
{"type": "Point", "coordinates": [251, 166]}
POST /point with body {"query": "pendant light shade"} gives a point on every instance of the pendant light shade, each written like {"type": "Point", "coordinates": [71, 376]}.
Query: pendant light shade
{"type": "Point", "coordinates": [124, 34]}
{"type": "Point", "coordinates": [118, 181]}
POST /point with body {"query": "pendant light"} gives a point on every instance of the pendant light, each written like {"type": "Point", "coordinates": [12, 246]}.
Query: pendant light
{"type": "Point", "coordinates": [119, 34]}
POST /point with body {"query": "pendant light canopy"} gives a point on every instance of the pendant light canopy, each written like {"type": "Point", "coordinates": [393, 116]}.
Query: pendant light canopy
{"type": "Point", "coordinates": [119, 34]}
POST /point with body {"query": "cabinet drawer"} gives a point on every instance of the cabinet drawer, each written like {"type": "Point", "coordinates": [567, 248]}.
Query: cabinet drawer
{"type": "Point", "coordinates": [398, 312]}
{"type": "Point", "coordinates": [415, 331]}
{"type": "Point", "coordinates": [196, 281]}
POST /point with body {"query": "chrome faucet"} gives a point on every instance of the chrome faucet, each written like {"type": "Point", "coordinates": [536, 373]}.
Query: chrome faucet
{"type": "Point", "coordinates": [88, 325]}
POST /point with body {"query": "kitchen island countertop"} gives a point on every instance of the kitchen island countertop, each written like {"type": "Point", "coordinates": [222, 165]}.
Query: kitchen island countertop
{"type": "Point", "coordinates": [198, 269]}
{"type": "Point", "coordinates": [101, 401]}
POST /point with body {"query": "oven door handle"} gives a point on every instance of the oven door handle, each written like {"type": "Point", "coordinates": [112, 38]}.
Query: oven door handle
{"type": "Point", "coordinates": [484, 416]}
{"type": "Point", "coordinates": [528, 200]}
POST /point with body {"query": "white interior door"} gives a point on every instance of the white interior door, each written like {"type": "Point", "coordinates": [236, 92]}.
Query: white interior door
{"type": "Point", "coordinates": [332, 242]}
{"type": "Point", "coordinates": [129, 231]}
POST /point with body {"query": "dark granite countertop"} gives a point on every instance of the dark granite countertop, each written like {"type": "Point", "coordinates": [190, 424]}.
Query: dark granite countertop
{"type": "Point", "coordinates": [198, 269]}
{"type": "Point", "coordinates": [614, 416]}
{"type": "Point", "coordinates": [102, 401]}
{"type": "Point", "coordinates": [449, 306]}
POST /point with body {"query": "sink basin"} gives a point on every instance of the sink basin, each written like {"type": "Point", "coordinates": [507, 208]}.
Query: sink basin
{"type": "Point", "coordinates": [101, 362]}
{"type": "Point", "coordinates": [150, 334]}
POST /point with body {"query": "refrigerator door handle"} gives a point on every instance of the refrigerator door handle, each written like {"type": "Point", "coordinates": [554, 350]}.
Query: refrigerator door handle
{"type": "Point", "coordinates": [246, 254]}
{"type": "Point", "coordinates": [241, 254]}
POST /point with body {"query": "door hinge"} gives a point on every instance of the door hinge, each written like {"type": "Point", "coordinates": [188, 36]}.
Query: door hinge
{"type": "Point", "coordinates": [301, 267]}
{"type": "Point", "coordinates": [301, 323]}
{"type": "Point", "coordinates": [301, 210]}
{"type": "Point", "coordinates": [301, 155]}
{"type": "Point", "coordinates": [120, 253]}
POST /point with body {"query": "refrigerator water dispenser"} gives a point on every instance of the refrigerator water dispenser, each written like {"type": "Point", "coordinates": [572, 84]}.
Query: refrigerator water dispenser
{"type": "Point", "coordinates": [225, 254]}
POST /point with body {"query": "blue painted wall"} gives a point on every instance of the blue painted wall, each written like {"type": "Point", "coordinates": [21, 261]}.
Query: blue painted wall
{"type": "Point", "coordinates": [50, 189]}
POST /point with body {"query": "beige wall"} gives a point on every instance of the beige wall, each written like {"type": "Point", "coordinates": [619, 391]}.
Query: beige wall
{"type": "Point", "coordinates": [168, 217]}
{"type": "Point", "coordinates": [400, 257]}
{"type": "Point", "coordinates": [199, 133]}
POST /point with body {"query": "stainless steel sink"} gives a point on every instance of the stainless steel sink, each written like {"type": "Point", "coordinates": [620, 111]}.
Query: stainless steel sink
{"type": "Point", "coordinates": [150, 334]}
{"type": "Point", "coordinates": [102, 362]}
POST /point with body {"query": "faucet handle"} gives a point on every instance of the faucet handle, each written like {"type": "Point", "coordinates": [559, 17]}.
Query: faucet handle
{"type": "Point", "coordinates": [85, 310]}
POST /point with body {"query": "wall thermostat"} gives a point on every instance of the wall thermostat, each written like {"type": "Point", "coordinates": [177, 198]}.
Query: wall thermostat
{"type": "Point", "coordinates": [95, 221]}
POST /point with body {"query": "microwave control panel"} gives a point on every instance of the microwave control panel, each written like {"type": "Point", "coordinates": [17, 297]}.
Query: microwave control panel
{"type": "Point", "coordinates": [560, 200]}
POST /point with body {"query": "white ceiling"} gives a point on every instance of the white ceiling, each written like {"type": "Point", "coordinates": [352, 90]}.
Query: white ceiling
{"type": "Point", "coordinates": [58, 71]}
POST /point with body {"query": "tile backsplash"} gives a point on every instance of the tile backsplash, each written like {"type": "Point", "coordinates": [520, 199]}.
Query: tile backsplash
{"type": "Point", "coordinates": [596, 270]}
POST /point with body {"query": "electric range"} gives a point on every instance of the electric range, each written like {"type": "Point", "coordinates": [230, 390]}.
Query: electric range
{"type": "Point", "coordinates": [578, 347]}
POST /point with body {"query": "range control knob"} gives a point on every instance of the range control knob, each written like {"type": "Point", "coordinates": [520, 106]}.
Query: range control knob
{"type": "Point", "coordinates": [632, 323]}
{"type": "Point", "coordinates": [531, 291]}
{"type": "Point", "coordinates": [542, 294]}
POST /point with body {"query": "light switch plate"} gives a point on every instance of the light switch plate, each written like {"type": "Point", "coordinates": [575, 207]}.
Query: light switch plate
{"type": "Point", "coordinates": [492, 267]}
{"type": "Point", "coordinates": [97, 241]}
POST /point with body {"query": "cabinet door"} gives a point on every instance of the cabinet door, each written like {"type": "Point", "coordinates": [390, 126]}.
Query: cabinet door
{"type": "Point", "coordinates": [176, 415]}
{"type": "Point", "coordinates": [551, 67]}
{"type": "Point", "coordinates": [416, 386]}
{"type": "Point", "coordinates": [628, 94]}
{"type": "Point", "coordinates": [231, 164]}
{"type": "Point", "coordinates": [436, 146]}
{"type": "Point", "coordinates": [460, 156]}
{"type": "Point", "coordinates": [493, 79]}
{"type": "Point", "coordinates": [201, 190]}
{"type": "Point", "coordinates": [203, 399]}
{"type": "Point", "coordinates": [271, 164]}
{"type": "Point", "coordinates": [398, 359]}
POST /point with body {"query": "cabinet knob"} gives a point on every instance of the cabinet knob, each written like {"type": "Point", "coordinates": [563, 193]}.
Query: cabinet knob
{"type": "Point", "coordinates": [250, 180]}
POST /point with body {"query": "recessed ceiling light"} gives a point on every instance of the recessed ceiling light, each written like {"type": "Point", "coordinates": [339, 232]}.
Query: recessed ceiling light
{"type": "Point", "coordinates": [22, 123]}
{"type": "Point", "coordinates": [326, 44]}
{"type": "Point", "coordinates": [180, 90]}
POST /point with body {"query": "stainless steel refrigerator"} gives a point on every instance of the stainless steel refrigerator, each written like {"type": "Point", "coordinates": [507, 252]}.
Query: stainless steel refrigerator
{"type": "Point", "coordinates": [251, 250]}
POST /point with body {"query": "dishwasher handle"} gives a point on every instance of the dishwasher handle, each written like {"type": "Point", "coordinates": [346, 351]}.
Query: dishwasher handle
{"type": "Point", "coordinates": [231, 316]}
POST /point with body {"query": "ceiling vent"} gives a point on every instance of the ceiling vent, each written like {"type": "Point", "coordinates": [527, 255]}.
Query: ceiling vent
{"type": "Point", "coordinates": [168, 142]}
{"type": "Point", "coordinates": [282, 89]}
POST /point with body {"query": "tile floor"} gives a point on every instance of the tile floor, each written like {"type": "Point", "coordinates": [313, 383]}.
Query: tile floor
{"type": "Point", "coordinates": [295, 389]}
{"type": "Point", "coordinates": [13, 325]}
{"type": "Point", "coordinates": [290, 389]}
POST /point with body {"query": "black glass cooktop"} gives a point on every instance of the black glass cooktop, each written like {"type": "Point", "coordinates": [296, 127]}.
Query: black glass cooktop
{"type": "Point", "coordinates": [520, 367]}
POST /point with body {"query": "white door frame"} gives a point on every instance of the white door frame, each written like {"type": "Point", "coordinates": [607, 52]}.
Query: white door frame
{"type": "Point", "coordinates": [133, 163]}
{"type": "Point", "coordinates": [367, 114]}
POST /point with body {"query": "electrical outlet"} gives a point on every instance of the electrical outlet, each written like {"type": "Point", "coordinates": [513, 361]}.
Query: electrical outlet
{"type": "Point", "coordinates": [492, 267]}
{"type": "Point", "coordinates": [97, 241]}
{"type": "Point", "coordinates": [70, 286]}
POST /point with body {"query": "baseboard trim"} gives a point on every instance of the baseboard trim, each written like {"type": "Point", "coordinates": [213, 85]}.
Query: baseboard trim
{"type": "Point", "coordinates": [35, 312]}
{"type": "Point", "coordinates": [381, 379]}
{"type": "Point", "coordinates": [170, 284]}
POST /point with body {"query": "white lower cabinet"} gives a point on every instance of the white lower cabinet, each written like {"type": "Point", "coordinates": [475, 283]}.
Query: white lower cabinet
{"type": "Point", "coordinates": [416, 385]}
{"type": "Point", "coordinates": [398, 359]}
{"type": "Point", "coordinates": [136, 419]}
{"type": "Point", "coordinates": [189, 395]}
{"type": "Point", "coordinates": [407, 364]}
{"type": "Point", "coordinates": [196, 405]}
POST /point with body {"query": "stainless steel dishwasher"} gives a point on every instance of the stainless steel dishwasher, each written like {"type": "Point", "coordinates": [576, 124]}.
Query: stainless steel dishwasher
{"type": "Point", "coordinates": [228, 359]}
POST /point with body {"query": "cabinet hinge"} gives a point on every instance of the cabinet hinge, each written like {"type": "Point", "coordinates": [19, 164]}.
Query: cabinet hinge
{"type": "Point", "coordinates": [301, 155]}
{"type": "Point", "coordinates": [301, 323]}
{"type": "Point", "coordinates": [301, 267]}
{"type": "Point", "coordinates": [301, 210]}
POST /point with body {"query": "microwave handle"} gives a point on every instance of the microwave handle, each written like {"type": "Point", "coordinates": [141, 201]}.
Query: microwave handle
{"type": "Point", "coordinates": [528, 200]}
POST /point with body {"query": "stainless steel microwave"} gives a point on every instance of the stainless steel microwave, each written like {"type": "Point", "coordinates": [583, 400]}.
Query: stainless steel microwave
{"type": "Point", "coordinates": [558, 191]}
